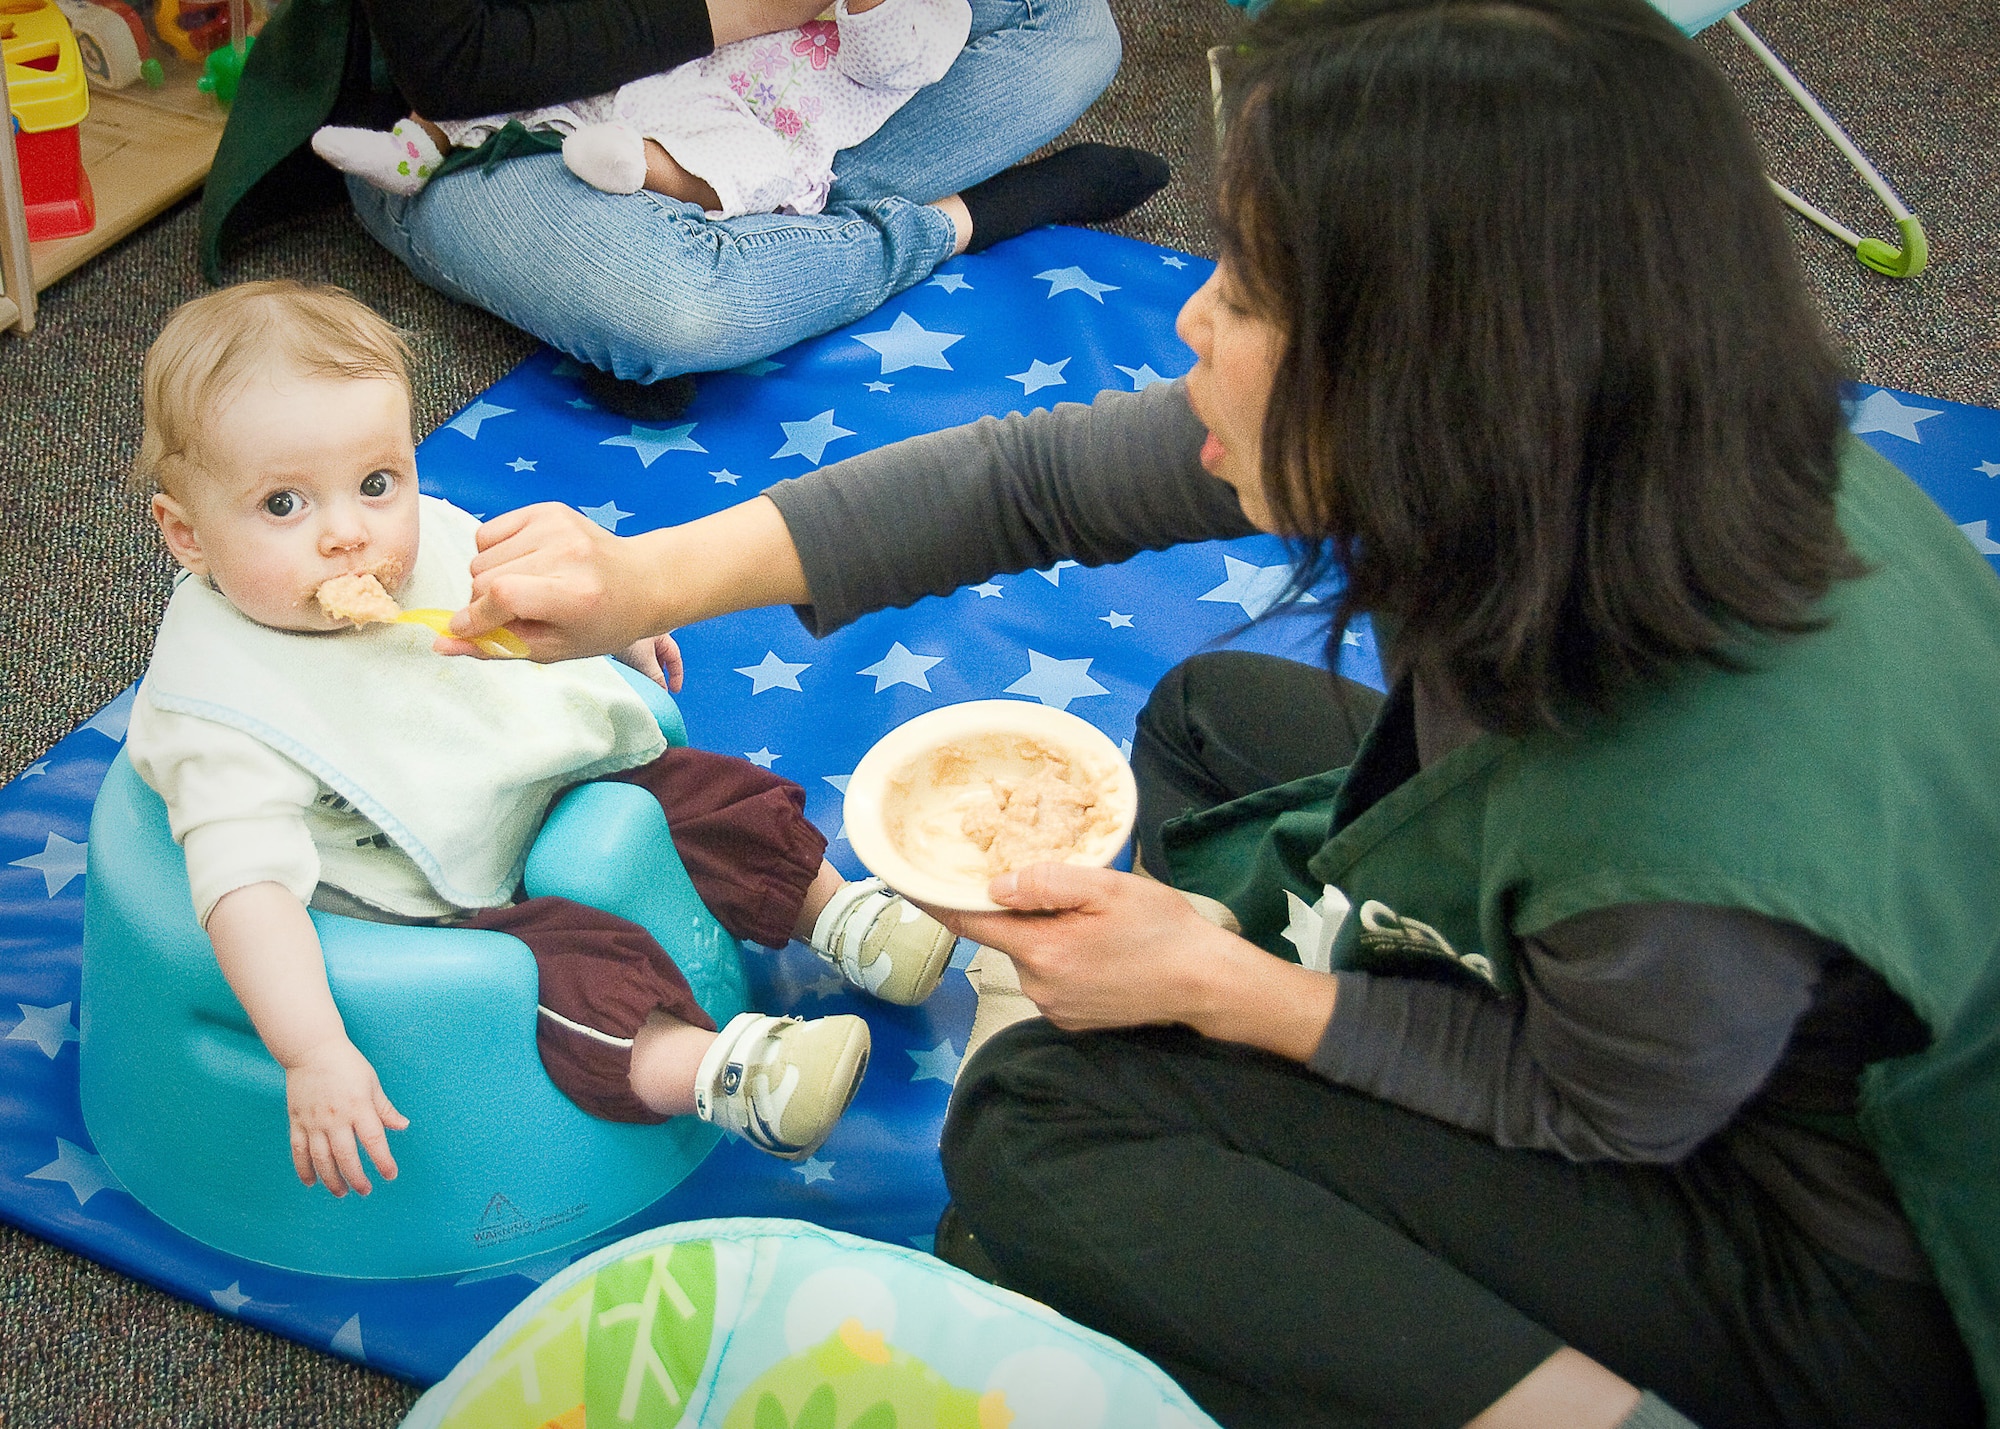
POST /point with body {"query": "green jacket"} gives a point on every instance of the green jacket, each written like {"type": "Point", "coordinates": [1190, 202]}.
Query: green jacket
{"type": "Point", "coordinates": [308, 56]}
{"type": "Point", "coordinates": [1848, 782]}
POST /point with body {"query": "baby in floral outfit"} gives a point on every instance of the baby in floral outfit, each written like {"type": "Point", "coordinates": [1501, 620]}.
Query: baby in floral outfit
{"type": "Point", "coordinates": [751, 128]}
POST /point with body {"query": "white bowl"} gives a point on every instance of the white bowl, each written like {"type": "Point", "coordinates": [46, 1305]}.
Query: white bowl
{"type": "Point", "coordinates": [908, 797]}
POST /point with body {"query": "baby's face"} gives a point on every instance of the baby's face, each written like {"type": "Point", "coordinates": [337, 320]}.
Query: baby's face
{"type": "Point", "coordinates": [304, 479]}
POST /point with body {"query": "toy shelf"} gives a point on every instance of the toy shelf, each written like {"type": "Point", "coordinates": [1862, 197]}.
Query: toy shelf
{"type": "Point", "coordinates": [143, 150]}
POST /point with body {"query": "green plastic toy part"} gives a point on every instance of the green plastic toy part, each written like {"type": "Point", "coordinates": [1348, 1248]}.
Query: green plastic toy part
{"type": "Point", "coordinates": [223, 70]}
{"type": "Point", "coordinates": [1905, 262]}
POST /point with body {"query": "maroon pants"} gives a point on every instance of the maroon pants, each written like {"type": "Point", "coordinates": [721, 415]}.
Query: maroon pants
{"type": "Point", "coordinates": [742, 834]}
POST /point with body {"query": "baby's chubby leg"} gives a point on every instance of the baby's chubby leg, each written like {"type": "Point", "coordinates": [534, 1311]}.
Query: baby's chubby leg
{"type": "Point", "coordinates": [780, 1083]}
{"type": "Point", "coordinates": [879, 941]}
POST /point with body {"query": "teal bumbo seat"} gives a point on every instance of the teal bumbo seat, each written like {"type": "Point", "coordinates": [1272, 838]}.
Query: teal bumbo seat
{"type": "Point", "coordinates": [188, 1109]}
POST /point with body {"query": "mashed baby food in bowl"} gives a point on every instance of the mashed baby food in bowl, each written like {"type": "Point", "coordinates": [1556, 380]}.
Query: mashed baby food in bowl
{"type": "Point", "coordinates": [954, 797]}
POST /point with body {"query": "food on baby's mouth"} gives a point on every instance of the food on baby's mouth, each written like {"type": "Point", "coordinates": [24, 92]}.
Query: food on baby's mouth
{"type": "Point", "coordinates": [360, 599]}
{"type": "Point", "coordinates": [991, 804]}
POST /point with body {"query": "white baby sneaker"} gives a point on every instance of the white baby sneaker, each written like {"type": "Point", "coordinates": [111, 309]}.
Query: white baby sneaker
{"type": "Point", "coordinates": [609, 156]}
{"type": "Point", "coordinates": [882, 944]}
{"type": "Point", "coordinates": [780, 1083]}
{"type": "Point", "coordinates": [398, 162]}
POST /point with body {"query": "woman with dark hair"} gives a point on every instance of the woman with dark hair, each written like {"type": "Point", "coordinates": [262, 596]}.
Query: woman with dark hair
{"type": "Point", "coordinates": [1658, 1047]}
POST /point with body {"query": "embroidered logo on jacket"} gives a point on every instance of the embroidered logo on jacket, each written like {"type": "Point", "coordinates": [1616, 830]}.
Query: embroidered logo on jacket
{"type": "Point", "coordinates": [1386, 937]}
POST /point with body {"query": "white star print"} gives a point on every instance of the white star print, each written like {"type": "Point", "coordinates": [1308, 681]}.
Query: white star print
{"type": "Point", "coordinates": [230, 1299]}
{"type": "Point", "coordinates": [881, 386]}
{"type": "Point", "coordinates": [1988, 468]}
{"type": "Point", "coordinates": [652, 443]}
{"type": "Point", "coordinates": [814, 1169]}
{"type": "Point", "coordinates": [347, 1340]}
{"type": "Point", "coordinates": [939, 1064]}
{"type": "Point", "coordinates": [59, 861]}
{"type": "Point", "coordinates": [950, 282]}
{"type": "Point", "coordinates": [809, 439]}
{"type": "Point", "coordinates": [1173, 262]}
{"type": "Point", "coordinates": [987, 590]}
{"type": "Point", "coordinates": [908, 343]}
{"type": "Point", "coordinates": [725, 477]}
{"type": "Point", "coordinates": [771, 673]}
{"type": "Point", "coordinates": [40, 766]}
{"type": "Point", "coordinates": [47, 1027]}
{"type": "Point", "coordinates": [1040, 374]}
{"type": "Point", "coordinates": [1056, 682]}
{"type": "Point", "coordinates": [581, 405]}
{"type": "Point", "coordinates": [1351, 637]}
{"type": "Point", "coordinates": [1255, 588]}
{"type": "Point", "coordinates": [1117, 621]}
{"type": "Point", "coordinates": [114, 717]}
{"type": "Point", "coordinates": [1881, 412]}
{"type": "Point", "coordinates": [472, 418]}
{"type": "Point", "coordinates": [839, 781]}
{"type": "Point", "coordinates": [538, 1269]}
{"type": "Point", "coordinates": [1975, 532]}
{"type": "Point", "coordinates": [1053, 575]}
{"type": "Point", "coordinates": [1063, 280]}
{"type": "Point", "coordinates": [84, 1172]}
{"type": "Point", "coordinates": [758, 368]}
{"type": "Point", "coordinates": [1142, 376]}
{"type": "Point", "coordinates": [521, 463]}
{"type": "Point", "coordinates": [763, 758]}
{"type": "Point", "coordinates": [608, 515]}
{"type": "Point", "coordinates": [901, 667]}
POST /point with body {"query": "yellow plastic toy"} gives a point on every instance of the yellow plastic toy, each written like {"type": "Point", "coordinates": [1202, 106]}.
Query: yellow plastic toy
{"type": "Point", "coordinates": [49, 96]}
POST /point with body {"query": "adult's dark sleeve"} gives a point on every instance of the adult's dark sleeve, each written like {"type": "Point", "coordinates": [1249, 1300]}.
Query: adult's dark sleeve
{"type": "Point", "coordinates": [1091, 484]}
{"type": "Point", "coordinates": [460, 59]}
{"type": "Point", "coordinates": [1641, 1030]}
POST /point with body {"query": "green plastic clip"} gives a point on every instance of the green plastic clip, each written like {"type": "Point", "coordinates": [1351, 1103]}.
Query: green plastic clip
{"type": "Point", "coordinates": [1891, 261]}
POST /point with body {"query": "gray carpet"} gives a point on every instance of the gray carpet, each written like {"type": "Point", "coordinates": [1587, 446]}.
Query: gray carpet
{"type": "Point", "coordinates": [85, 579]}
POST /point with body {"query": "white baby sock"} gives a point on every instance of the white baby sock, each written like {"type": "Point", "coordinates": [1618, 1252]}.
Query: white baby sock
{"type": "Point", "coordinates": [610, 156]}
{"type": "Point", "coordinates": [400, 161]}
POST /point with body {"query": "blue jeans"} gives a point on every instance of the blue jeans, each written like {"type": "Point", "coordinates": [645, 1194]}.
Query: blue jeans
{"type": "Point", "coordinates": [644, 286]}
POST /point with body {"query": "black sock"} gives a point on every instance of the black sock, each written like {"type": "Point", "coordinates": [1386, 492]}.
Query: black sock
{"type": "Point", "coordinates": [1085, 183]}
{"type": "Point", "coordinates": [660, 401]}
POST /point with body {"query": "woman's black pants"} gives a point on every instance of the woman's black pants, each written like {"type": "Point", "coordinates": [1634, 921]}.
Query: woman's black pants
{"type": "Point", "coordinates": [1296, 1254]}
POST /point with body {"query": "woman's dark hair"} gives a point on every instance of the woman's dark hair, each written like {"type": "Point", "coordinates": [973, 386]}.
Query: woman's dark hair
{"type": "Point", "coordinates": [1552, 396]}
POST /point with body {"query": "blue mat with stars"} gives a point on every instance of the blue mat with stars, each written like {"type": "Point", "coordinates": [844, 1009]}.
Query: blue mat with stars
{"type": "Point", "coordinates": [1057, 315]}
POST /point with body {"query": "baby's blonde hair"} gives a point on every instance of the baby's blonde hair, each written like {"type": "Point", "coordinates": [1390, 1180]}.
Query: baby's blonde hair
{"type": "Point", "coordinates": [213, 344]}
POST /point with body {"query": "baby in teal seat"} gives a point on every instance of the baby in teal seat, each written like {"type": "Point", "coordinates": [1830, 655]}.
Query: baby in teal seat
{"type": "Point", "coordinates": [309, 758]}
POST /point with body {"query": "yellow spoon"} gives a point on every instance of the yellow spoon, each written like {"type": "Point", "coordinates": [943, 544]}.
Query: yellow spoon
{"type": "Point", "coordinates": [503, 643]}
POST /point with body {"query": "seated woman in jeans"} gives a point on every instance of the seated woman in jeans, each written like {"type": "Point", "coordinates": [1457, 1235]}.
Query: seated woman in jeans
{"type": "Point", "coordinates": [640, 285]}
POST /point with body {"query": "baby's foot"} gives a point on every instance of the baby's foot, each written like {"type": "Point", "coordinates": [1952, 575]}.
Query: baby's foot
{"type": "Point", "coordinates": [881, 944]}
{"type": "Point", "coordinates": [779, 1083]}
{"type": "Point", "coordinates": [400, 161]}
{"type": "Point", "coordinates": [609, 156]}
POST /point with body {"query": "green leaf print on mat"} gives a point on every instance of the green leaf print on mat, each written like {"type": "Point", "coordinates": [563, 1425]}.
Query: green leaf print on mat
{"type": "Point", "coordinates": [652, 1317]}
{"type": "Point", "coordinates": [623, 1347]}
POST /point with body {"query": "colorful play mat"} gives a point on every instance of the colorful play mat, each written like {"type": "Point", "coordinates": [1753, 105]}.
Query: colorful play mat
{"type": "Point", "coordinates": [1057, 315]}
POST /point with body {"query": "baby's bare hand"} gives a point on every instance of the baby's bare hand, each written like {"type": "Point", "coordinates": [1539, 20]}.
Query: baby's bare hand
{"type": "Point", "coordinates": [333, 1098]}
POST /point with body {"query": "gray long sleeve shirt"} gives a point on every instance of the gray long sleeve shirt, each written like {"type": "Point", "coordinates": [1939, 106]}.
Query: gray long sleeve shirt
{"type": "Point", "coordinates": [1642, 1032]}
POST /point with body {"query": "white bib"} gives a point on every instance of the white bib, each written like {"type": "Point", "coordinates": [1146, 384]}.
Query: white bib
{"type": "Point", "coordinates": [456, 760]}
